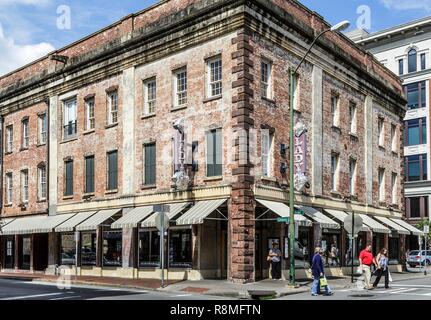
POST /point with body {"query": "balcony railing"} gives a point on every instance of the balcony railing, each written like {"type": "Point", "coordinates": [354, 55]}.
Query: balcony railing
{"type": "Point", "coordinates": [69, 130]}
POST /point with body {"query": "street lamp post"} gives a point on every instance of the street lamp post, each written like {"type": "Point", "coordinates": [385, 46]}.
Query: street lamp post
{"type": "Point", "coordinates": [338, 27]}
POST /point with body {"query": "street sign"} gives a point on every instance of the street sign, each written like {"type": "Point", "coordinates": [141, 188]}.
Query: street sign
{"type": "Point", "coordinates": [283, 220]}
{"type": "Point", "coordinates": [162, 221]}
{"type": "Point", "coordinates": [299, 211]}
{"type": "Point", "coordinates": [348, 224]}
{"type": "Point", "coordinates": [426, 229]}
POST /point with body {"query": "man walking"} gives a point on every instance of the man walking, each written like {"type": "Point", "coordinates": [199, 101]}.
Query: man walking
{"type": "Point", "coordinates": [366, 259]}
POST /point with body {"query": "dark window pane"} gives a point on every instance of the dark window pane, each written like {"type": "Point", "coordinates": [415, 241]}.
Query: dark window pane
{"type": "Point", "coordinates": [424, 131]}
{"type": "Point", "coordinates": [180, 248]}
{"type": "Point", "coordinates": [423, 61]}
{"type": "Point", "coordinates": [112, 171]}
{"type": "Point", "coordinates": [69, 179]}
{"type": "Point", "coordinates": [424, 168]}
{"type": "Point", "coordinates": [150, 164]}
{"type": "Point", "coordinates": [89, 174]}
{"type": "Point", "coordinates": [415, 211]}
{"type": "Point", "coordinates": [214, 153]}
{"type": "Point", "coordinates": [88, 249]}
{"type": "Point", "coordinates": [413, 96]}
{"type": "Point", "coordinates": [68, 249]}
{"type": "Point", "coordinates": [149, 249]}
{"type": "Point", "coordinates": [412, 57]}
{"type": "Point", "coordinates": [413, 132]}
{"type": "Point", "coordinates": [400, 66]}
{"type": "Point", "coordinates": [112, 248]}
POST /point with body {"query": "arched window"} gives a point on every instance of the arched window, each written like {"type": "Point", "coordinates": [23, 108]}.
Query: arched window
{"type": "Point", "coordinates": [413, 64]}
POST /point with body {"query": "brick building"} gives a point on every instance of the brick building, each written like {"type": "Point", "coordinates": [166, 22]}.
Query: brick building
{"type": "Point", "coordinates": [117, 121]}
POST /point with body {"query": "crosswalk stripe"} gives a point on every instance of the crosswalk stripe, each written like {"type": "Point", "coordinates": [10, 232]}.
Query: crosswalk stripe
{"type": "Point", "coordinates": [403, 290]}
{"type": "Point", "coordinates": [34, 296]}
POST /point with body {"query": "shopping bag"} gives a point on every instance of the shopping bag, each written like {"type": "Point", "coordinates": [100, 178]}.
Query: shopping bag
{"type": "Point", "coordinates": [323, 282]}
{"type": "Point", "coordinates": [389, 276]}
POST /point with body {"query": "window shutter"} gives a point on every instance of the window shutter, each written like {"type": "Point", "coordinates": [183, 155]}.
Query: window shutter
{"type": "Point", "coordinates": [69, 178]}
{"type": "Point", "coordinates": [89, 186]}
{"type": "Point", "coordinates": [218, 152]}
{"type": "Point", "coordinates": [113, 171]}
{"type": "Point", "coordinates": [265, 151]}
{"type": "Point", "coordinates": [150, 164]}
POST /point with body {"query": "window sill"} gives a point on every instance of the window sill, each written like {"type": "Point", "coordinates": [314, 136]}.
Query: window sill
{"type": "Point", "coordinates": [89, 132]}
{"type": "Point", "coordinates": [382, 204]}
{"type": "Point", "coordinates": [177, 108]}
{"type": "Point", "coordinates": [112, 125]}
{"type": "Point", "coordinates": [88, 195]}
{"type": "Point", "coordinates": [8, 153]}
{"type": "Point", "coordinates": [67, 198]}
{"type": "Point", "coordinates": [148, 186]}
{"type": "Point", "coordinates": [41, 200]}
{"type": "Point", "coordinates": [111, 191]}
{"type": "Point", "coordinates": [23, 149]}
{"type": "Point", "coordinates": [206, 100]}
{"type": "Point", "coordinates": [148, 116]}
{"type": "Point", "coordinates": [9, 205]}
{"type": "Point", "coordinates": [394, 153]}
{"type": "Point", "coordinates": [353, 135]}
{"type": "Point", "coordinates": [268, 100]}
{"type": "Point", "coordinates": [382, 148]}
{"type": "Point", "coordinates": [69, 140]}
{"type": "Point", "coordinates": [209, 179]}
{"type": "Point", "coordinates": [41, 145]}
{"type": "Point", "coordinates": [335, 194]}
{"type": "Point", "coordinates": [395, 206]}
{"type": "Point", "coordinates": [266, 178]}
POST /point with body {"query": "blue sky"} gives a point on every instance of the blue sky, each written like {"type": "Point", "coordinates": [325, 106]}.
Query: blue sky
{"type": "Point", "coordinates": [29, 29]}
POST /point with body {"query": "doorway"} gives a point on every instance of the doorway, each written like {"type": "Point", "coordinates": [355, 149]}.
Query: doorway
{"type": "Point", "coordinates": [9, 252]}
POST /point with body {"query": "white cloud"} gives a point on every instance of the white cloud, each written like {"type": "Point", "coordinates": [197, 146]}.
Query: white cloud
{"type": "Point", "coordinates": [15, 55]}
{"type": "Point", "coordinates": [406, 4]}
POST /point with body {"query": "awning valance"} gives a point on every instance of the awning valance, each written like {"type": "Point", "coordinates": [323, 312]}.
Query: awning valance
{"type": "Point", "coordinates": [374, 225]}
{"type": "Point", "coordinates": [393, 225]}
{"type": "Point", "coordinates": [35, 224]}
{"type": "Point", "coordinates": [409, 227]}
{"type": "Point", "coordinates": [97, 219]}
{"type": "Point", "coordinates": [132, 218]}
{"type": "Point", "coordinates": [175, 209]}
{"type": "Point", "coordinates": [319, 217]}
{"type": "Point", "coordinates": [283, 211]}
{"type": "Point", "coordinates": [69, 225]}
{"type": "Point", "coordinates": [341, 215]}
{"type": "Point", "coordinates": [199, 212]}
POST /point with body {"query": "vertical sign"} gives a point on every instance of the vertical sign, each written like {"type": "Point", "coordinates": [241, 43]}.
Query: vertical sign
{"type": "Point", "coordinates": [300, 154]}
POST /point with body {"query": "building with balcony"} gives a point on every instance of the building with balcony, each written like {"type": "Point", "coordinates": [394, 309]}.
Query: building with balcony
{"type": "Point", "coordinates": [185, 104]}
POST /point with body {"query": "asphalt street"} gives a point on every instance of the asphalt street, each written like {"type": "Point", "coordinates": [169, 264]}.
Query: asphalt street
{"type": "Point", "coordinates": [410, 289]}
{"type": "Point", "coordinates": [24, 290]}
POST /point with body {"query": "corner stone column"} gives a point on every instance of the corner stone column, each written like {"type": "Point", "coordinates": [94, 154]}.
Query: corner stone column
{"type": "Point", "coordinates": [53, 250]}
{"type": "Point", "coordinates": [128, 250]}
{"type": "Point", "coordinates": [241, 204]}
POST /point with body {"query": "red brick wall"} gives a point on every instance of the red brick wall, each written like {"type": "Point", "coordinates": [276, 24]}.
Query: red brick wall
{"type": "Point", "coordinates": [26, 159]}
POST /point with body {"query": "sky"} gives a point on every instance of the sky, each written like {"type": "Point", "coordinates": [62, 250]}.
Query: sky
{"type": "Point", "coordinates": [29, 29]}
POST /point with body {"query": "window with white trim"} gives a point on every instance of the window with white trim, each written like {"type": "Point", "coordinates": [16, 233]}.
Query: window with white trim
{"type": "Point", "coordinates": [25, 133]}
{"type": "Point", "coordinates": [394, 138]}
{"type": "Point", "coordinates": [69, 119]}
{"type": "Point", "coordinates": [266, 79]}
{"type": "Point", "coordinates": [90, 121]}
{"type": "Point", "coordinates": [267, 140]}
{"type": "Point", "coordinates": [9, 188]}
{"type": "Point", "coordinates": [394, 188]}
{"type": "Point", "coordinates": [150, 96]}
{"type": "Point", "coordinates": [352, 176]}
{"type": "Point", "coordinates": [42, 128]}
{"type": "Point", "coordinates": [180, 87]}
{"type": "Point", "coordinates": [9, 139]}
{"type": "Point", "coordinates": [41, 177]}
{"type": "Point", "coordinates": [335, 118]}
{"type": "Point", "coordinates": [353, 117]}
{"type": "Point", "coordinates": [112, 107]}
{"type": "Point", "coordinates": [214, 77]}
{"type": "Point", "coordinates": [381, 131]}
{"type": "Point", "coordinates": [381, 184]}
{"type": "Point", "coordinates": [24, 186]}
{"type": "Point", "coordinates": [334, 171]}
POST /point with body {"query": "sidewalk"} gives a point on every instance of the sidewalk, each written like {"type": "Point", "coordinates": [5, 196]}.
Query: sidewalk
{"type": "Point", "coordinates": [223, 288]}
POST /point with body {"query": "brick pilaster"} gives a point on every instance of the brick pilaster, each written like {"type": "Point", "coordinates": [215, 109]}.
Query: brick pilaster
{"type": "Point", "coordinates": [241, 207]}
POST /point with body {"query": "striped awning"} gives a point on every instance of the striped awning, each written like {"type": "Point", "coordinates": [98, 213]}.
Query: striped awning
{"type": "Point", "coordinates": [96, 220]}
{"type": "Point", "coordinates": [199, 212]}
{"type": "Point", "coordinates": [6, 221]}
{"type": "Point", "coordinates": [69, 225]}
{"type": "Point", "coordinates": [374, 225]}
{"type": "Point", "coordinates": [36, 224]}
{"type": "Point", "coordinates": [393, 225]}
{"type": "Point", "coordinates": [175, 209]}
{"type": "Point", "coordinates": [415, 231]}
{"type": "Point", "coordinates": [283, 211]}
{"type": "Point", "coordinates": [319, 217]}
{"type": "Point", "coordinates": [132, 218]}
{"type": "Point", "coordinates": [341, 215]}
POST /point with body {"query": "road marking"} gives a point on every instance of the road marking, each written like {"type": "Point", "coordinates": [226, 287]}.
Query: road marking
{"type": "Point", "coordinates": [403, 290]}
{"type": "Point", "coordinates": [65, 298]}
{"type": "Point", "coordinates": [181, 295]}
{"type": "Point", "coordinates": [411, 285]}
{"type": "Point", "coordinates": [34, 296]}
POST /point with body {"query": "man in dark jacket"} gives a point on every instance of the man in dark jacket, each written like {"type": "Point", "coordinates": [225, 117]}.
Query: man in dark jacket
{"type": "Point", "coordinates": [318, 273]}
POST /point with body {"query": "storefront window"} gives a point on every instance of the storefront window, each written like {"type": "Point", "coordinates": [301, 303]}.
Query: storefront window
{"type": "Point", "coordinates": [149, 249]}
{"type": "Point", "coordinates": [360, 243]}
{"type": "Point", "coordinates": [331, 249]}
{"type": "Point", "coordinates": [88, 249]}
{"type": "Point", "coordinates": [26, 252]}
{"type": "Point", "coordinates": [68, 249]}
{"type": "Point", "coordinates": [112, 248]}
{"type": "Point", "coordinates": [180, 248]}
{"type": "Point", "coordinates": [303, 249]}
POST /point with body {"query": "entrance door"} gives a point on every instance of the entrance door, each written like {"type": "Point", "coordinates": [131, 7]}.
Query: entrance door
{"type": "Point", "coordinates": [9, 253]}
{"type": "Point", "coordinates": [40, 258]}
{"type": "Point", "coordinates": [25, 252]}
{"type": "Point", "coordinates": [258, 255]}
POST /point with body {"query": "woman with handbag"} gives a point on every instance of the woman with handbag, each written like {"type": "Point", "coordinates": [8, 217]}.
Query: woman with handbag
{"type": "Point", "coordinates": [275, 258]}
{"type": "Point", "coordinates": [382, 268]}
{"type": "Point", "coordinates": [319, 279]}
